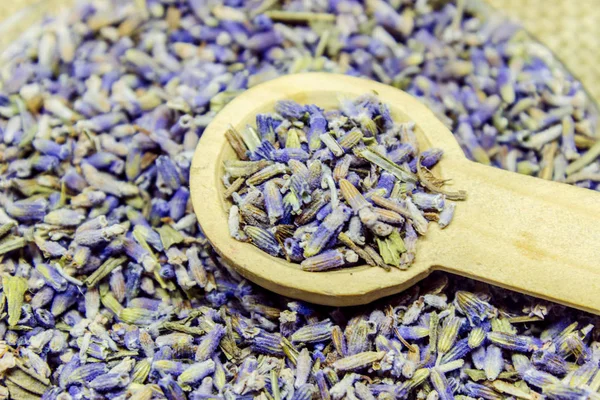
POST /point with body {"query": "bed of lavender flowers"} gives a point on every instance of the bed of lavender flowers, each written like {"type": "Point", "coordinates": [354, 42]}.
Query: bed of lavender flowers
{"type": "Point", "coordinates": [110, 291]}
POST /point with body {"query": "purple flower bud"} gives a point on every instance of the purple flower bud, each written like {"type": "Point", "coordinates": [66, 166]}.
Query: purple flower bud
{"type": "Point", "coordinates": [43, 297]}
{"type": "Point", "coordinates": [167, 271]}
{"type": "Point", "coordinates": [428, 201]}
{"type": "Point", "coordinates": [262, 22]}
{"type": "Point", "coordinates": [44, 163]}
{"type": "Point", "coordinates": [300, 187]}
{"type": "Point", "coordinates": [159, 209]}
{"type": "Point", "coordinates": [266, 125]}
{"type": "Point", "coordinates": [267, 343]}
{"type": "Point", "coordinates": [178, 203]}
{"type": "Point", "coordinates": [304, 392]}
{"type": "Point", "coordinates": [238, 31]}
{"type": "Point", "coordinates": [327, 229]}
{"type": "Point", "coordinates": [51, 148]}
{"type": "Point", "coordinates": [485, 111]}
{"type": "Point", "coordinates": [264, 151]}
{"type": "Point", "coordinates": [132, 339]}
{"type": "Point", "coordinates": [28, 209]}
{"type": "Point", "coordinates": [135, 251]}
{"type": "Point", "coordinates": [285, 155]}
{"type": "Point", "coordinates": [105, 122]}
{"type": "Point", "coordinates": [290, 109]}
{"type": "Point", "coordinates": [459, 350]}
{"type": "Point", "coordinates": [20, 76]}
{"type": "Point", "coordinates": [110, 381]}
{"type": "Point", "coordinates": [512, 342]}
{"type": "Point", "coordinates": [400, 153]}
{"type": "Point", "coordinates": [324, 212]}
{"type": "Point", "coordinates": [106, 161]}
{"type": "Point", "coordinates": [261, 41]}
{"type": "Point", "coordinates": [318, 126]}
{"type": "Point", "coordinates": [209, 343]}
{"type": "Point", "coordinates": [20, 168]}
{"type": "Point", "coordinates": [273, 201]}
{"type": "Point", "coordinates": [84, 373]}
{"type": "Point", "coordinates": [550, 362]}
{"type": "Point", "coordinates": [353, 178]}
{"type": "Point", "coordinates": [133, 275]}
{"type": "Point", "coordinates": [430, 157]}
{"type": "Point", "coordinates": [168, 178]}
{"type": "Point", "coordinates": [386, 181]}
{"type": "Point", "coordinates": [52, 277]}
{"type": "Point", "coordinates": [62, 301]}
{"type": "Point", "coordinates": [263, 239]}
{"type": "Point", "coordinates": [293, 249]}
{"type": "Point", "coordinates": [170, 388]}
{"type": "Point", "coordinates": [174, 368]}
{"type": "Point", "coordinates": [479, 391]}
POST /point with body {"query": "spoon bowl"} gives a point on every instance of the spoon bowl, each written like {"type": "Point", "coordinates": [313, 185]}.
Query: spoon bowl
{"type": "Point", "coordinates": [523, 233]}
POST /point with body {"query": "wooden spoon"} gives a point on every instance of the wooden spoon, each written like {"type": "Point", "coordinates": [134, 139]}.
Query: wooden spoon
{"type": "Point", "coordinates": [523, 233]}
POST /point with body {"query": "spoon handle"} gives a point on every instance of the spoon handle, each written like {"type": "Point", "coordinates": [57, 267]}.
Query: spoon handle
{"type": "Point", "coordinates": [523, 233]}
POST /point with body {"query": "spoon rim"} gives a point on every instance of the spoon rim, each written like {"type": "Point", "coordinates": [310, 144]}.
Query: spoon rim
{"type": "Point", "coordinates": [347, 286]}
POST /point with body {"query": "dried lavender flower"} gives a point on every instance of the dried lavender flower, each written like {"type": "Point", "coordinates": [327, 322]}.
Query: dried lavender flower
{"type": "Point", "coordinates": [323, 249]}
{"type": "Point", "coordinates": [100, 111]}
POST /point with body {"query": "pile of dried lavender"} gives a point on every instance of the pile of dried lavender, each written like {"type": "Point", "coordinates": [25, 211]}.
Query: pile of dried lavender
{"type": "Point", "coordinates": [110, 291]}
{"type": "Point", "coordinates": [388, 194]}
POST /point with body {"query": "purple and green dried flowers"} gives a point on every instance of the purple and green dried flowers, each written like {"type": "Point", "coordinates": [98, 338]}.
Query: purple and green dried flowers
{"type": "Point", "coordinates": [327, 188]}
{"type": "Point", "coordinates": [109, 290]}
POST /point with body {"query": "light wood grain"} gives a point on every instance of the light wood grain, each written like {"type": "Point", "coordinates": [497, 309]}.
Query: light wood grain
{"type": "Point", "coordinates": [534, 236]}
